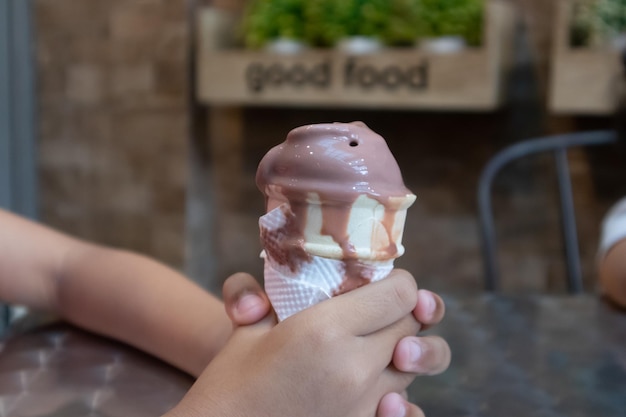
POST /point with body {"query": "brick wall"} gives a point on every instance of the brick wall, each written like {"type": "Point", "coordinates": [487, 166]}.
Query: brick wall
{"type": "Point", "coordinates": [113, 151]}
{"type": "Point", "coordinates": [112, 80]}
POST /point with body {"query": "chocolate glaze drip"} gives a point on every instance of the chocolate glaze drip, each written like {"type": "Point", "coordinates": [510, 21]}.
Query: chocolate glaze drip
{"type": "Point", "coordinates": [357, 274]}
{"type": "Point", "coordinates": [286, 244]}
{"type": "Point", "coordinates": [339, 162]}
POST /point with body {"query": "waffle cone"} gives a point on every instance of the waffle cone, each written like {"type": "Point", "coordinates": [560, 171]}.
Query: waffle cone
{"type": "Point", "coordinates": [301, 273]}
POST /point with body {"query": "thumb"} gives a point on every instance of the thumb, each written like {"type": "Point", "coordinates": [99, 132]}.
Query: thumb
{"type": "Point", "coordinates": [244, 299]}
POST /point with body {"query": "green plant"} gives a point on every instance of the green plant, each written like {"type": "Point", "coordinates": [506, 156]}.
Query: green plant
{"type": "Point", "coordinates": [400, 28]}
{"type": "Point", "coordinates": [265, 20]}
{"type": "Point", "coordinates": [395, 22]}
{"type": "Point", "coordinates": [327, 21]}
{"type": "Point", "coordinates": [611, 17]}
{"type": "Point", "coordinates": [595, 22]}
{"type": "Point", "coordinates": [451, 17]}
{"type": "Point", "coordinates": [581, 23]}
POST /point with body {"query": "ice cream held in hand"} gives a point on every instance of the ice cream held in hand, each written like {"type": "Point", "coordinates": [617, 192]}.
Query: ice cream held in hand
{"type": "Point", "coordinates": [336, 206]}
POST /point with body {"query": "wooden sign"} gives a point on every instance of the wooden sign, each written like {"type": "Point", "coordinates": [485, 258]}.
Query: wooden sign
{"type": "Point", "coordinates": [393, 78]}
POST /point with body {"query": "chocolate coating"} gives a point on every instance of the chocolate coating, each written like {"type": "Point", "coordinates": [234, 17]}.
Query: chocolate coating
{"type": "Point", "coordinates": [339, 161]}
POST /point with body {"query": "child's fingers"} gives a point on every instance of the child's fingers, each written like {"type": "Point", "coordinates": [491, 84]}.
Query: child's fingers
{"type": "Point", "coordinates": [384, 342]}
{"type": "Point", "coordinates": [432, 357]}
{"type": "Point", "coordinates": [394, 405]}
{"type": "Point", "coordinates": [430, 308]}
{"type": "Point", "coordinates": [374, 306]}
{"type": "Point", "coordinates": [244, 299]}
{"type": "Point", "coordinates": [429, 355]}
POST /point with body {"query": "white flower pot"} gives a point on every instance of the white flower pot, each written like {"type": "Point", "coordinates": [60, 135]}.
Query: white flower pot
{"type": "Point", "coordinates": [359, 45]}
{"type": "Point", "coordinates": [443, 44]}
{"type": "Point", "coordinates": [285, 46]}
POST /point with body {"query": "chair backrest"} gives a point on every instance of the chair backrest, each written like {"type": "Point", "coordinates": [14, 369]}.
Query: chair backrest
{"type": "Point", "coordinates": [557, 145]}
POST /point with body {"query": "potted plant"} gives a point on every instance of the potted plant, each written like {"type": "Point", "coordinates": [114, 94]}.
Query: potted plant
{"type": "Point", "coordinates": [447, 25]}
{"type": "Point", "coordinates": [276, 25]}
{"type": "Point", "coordinates": [610, 22]}
{"type": "Point", "coordinates": [400, 27]}
{"type": "Point", "coordinates": [356, 26]}
{"type": "Point", "coordinates": [599, 23]}
{"type": "Point", "coordinates": [360, 26]}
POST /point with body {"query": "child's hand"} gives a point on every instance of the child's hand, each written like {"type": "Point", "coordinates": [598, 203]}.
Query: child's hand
{"type": "Point", "coordinates": [332, 359]}
{"type": "Point", "coordinates": [428, 355]}
{"type": "Point", "coordinates": [244, 299]}
{"type": "Point", "coordinates": [247, 303]}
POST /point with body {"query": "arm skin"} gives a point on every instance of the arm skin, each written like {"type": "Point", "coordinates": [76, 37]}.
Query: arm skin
{"type": "Point", "coordinates": [156, 309]}
{"type": "Point", "coordinates": [153, 307]}
{"type": "Point", "coordinates": [612, 271]}
{"type": "Point", "coordinates": [332, 359]}
{"type": "Point", "coordinates": [433, 357]}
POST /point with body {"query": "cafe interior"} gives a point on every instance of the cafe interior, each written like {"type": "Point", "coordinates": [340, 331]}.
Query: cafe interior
{"type": "Point", "coordinates": [140, 125]}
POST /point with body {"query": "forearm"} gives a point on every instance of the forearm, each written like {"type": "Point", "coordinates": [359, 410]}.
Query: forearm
{"type": "Point", "coordinates": [30, 258]}
{"type": "Point", "coordinates": [134, 299]}
{"type": "Point", "coordinates": [116, 293]}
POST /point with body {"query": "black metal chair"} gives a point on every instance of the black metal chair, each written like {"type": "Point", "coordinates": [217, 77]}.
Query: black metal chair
{"type": "Point", "coordinates": [558, 145]}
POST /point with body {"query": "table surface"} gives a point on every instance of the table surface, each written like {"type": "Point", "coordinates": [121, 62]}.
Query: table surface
{"type": "Point", "coordinates": [529, 356]}
{"type": "Point", "coordinates": [59, 370]}
{"type": "Point", "coordinates": [512, 356]}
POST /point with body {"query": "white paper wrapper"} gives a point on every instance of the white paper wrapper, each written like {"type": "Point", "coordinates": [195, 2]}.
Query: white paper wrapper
{"type": "Point", "coordinates": [313, 280]}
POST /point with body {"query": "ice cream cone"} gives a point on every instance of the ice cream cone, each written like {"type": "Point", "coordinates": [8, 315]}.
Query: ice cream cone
{"type": "Point", "coordinates": [329, 228]}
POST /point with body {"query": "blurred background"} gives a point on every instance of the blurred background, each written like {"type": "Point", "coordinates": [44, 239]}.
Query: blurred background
{"type": "Point", "coordinates": [134, 147]}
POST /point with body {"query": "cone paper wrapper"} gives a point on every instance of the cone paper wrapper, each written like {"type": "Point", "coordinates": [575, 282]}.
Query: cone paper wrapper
{"type": "Point", "coordinates": [295, 285]}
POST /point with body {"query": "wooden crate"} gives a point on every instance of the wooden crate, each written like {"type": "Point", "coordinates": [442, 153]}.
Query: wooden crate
{"type": "Point", "coordinates": [402, 78]}
{"type": "Point", "coordinates": [583, 81]}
